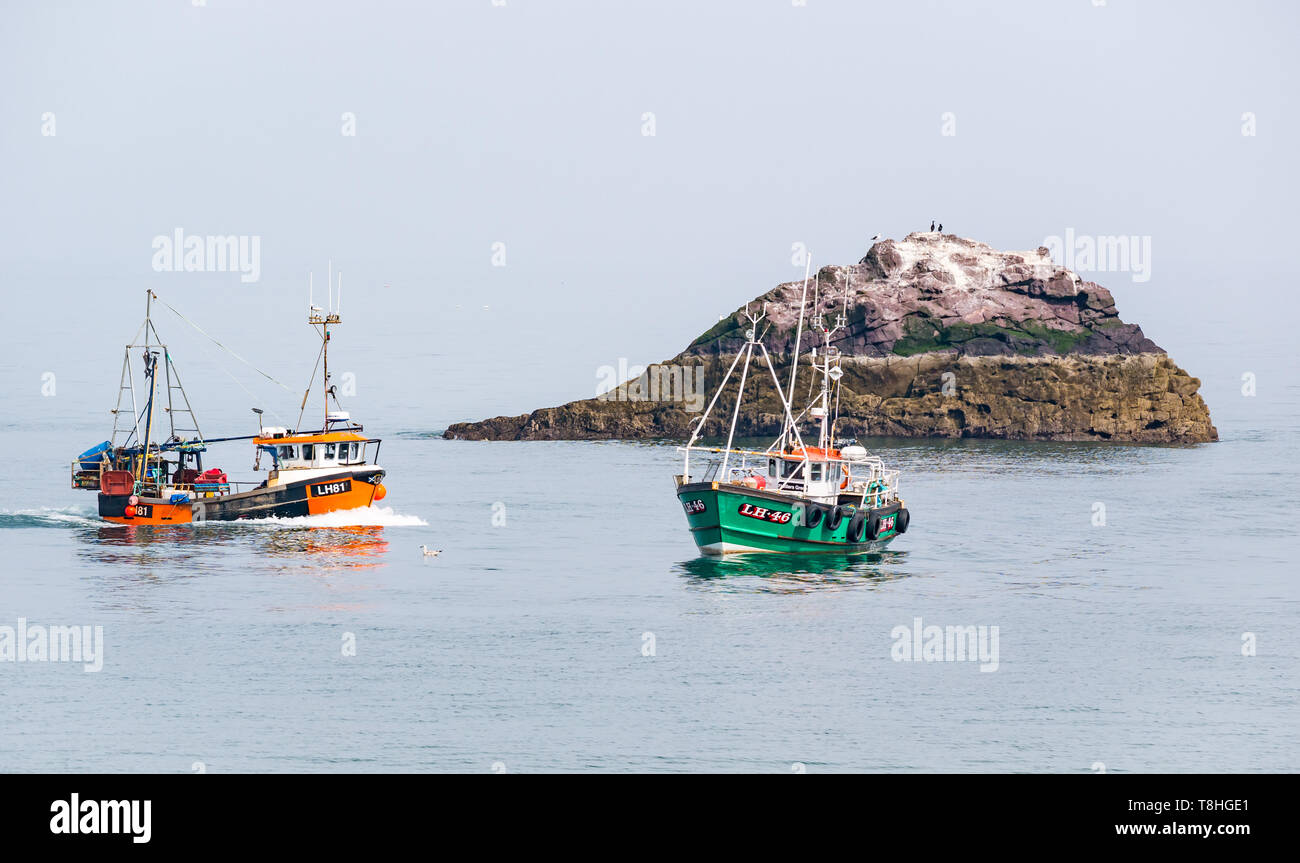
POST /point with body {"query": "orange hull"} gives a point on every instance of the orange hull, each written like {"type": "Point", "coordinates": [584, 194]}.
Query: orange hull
{"type": "Point", "coordinates": [361, 494]}
{"type": "Point", "coordinates": [151, 511]}
{"type": "Point", "coordinates": [292, 500]}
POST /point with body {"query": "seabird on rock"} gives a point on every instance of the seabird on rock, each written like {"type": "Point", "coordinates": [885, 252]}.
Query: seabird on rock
{"type": "Point", "coordinates": [875, 238]}
{"type": "Point", "coordinates": [941, 227]}
{"type": "Point", "coordinates": [932, 226]}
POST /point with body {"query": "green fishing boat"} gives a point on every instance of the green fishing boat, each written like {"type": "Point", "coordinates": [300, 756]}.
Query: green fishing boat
{"type": "Point", "coordinates": [792, 496]}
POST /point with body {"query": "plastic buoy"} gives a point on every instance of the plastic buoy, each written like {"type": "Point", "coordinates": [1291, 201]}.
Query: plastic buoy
{"type": "Point", "coordinates": [129, 512]}
{"type": "Point", "coordinates": [380, 492]}
{"type": "Point", "coordinates": [133, 500]}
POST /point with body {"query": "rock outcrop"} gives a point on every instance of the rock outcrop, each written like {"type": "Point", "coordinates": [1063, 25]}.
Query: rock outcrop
{"type": "Point", "coordinates": [945, 337]}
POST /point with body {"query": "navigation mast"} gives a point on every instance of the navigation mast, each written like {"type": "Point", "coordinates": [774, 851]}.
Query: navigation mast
{"type": "Point", "coordinates": [830, 364]}
{"type": "Point", "coordinates": [323, 318]}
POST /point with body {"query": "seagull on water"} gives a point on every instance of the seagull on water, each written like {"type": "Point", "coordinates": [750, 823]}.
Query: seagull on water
{"type": "Point", "coordinates": [427, 553]}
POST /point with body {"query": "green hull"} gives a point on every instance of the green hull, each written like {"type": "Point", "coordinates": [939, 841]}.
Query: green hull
{"type": "Point", "coordinates": [726, 519]}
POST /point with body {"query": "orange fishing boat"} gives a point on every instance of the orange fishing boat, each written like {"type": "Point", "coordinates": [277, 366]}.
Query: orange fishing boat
{"type": "Point", "coordinates": [143, 480]}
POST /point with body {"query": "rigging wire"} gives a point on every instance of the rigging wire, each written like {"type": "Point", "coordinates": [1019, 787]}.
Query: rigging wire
{"type": "Point", "coordinates": [227, 371]}
{"type": "Point", "coordinates": [271, 411]}
{"type": "Point", "coordinates": [302, 410]}
{"type": "Point", "coordinates": [253, 396]}
{"type": "Point", "coordinates": [226, 349]}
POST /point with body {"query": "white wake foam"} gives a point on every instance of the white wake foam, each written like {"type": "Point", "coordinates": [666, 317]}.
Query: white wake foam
{"type": "Point", "coordinates": [49, 516]}
{"type": "Point", "coordinates": [364, 516]}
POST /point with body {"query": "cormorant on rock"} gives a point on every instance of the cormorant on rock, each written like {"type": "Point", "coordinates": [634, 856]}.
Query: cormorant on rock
{"type": "Point", "coordinates": [932, 226]}
{"type": "Point", "coordinates": [941, 227]}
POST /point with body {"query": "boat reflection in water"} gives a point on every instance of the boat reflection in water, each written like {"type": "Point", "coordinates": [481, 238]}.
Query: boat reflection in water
{"type": "Point", "coordinates": [189, 549]}
{"type": "Point", "coordinates": [791, 573]}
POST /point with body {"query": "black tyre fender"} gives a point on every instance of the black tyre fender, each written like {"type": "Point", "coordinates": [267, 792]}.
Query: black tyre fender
{"type": "Point", "coordinates": [856, 524]}
{"type": "Point", "coordinates": [813, 516]}
{"type": "Point", "coordinates": [873, 526]}
{"type": "Point", "coordinates": [901, 521]}
{"type": "Point", "coordinates": [834, 517]}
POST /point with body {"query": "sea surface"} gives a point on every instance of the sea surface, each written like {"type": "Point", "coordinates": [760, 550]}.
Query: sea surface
{"type": "Point", "coordinates": [1144, 598]}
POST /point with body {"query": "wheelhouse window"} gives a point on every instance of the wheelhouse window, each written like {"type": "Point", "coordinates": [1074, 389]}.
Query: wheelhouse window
{"type": "Point", "coordinates": [330, 454]}
{"type": "Point", "coordinates": [308, 451]}
{"type": "Point", "coordinates": [288, 453]}
{"type": "Point", "coordinates": [817, 472]}
{"type": "Point", "coordinates": [771, 468]}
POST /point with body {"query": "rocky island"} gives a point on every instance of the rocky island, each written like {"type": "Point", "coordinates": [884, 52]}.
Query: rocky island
{"type": "Point", "coordinates": [945, 337]}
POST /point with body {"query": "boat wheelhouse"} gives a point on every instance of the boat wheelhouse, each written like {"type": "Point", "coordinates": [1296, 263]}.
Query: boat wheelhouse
{"type": "Point", "coordinates": [144, 480]}
{"type": "Point", "coordinates": [791, 496]}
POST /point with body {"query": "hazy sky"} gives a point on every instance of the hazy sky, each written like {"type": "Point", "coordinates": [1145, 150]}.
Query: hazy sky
{"type": "Point", "coordinates": [524, 124]}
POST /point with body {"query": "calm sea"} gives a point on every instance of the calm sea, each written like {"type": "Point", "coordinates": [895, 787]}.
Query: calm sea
{"type": "Point", "coordinates": [1144, 602]}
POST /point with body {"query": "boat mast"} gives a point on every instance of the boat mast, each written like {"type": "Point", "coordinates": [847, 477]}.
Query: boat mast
{"type": "Point", "coordinates": [150, 369]}
{"type": "Point", "coordinates": [823, 436]}
{"type": "Point", "coordinates": [751, 338]}
{"type": "Point", "coordinates": [126, 384]}
{"type": "Point", "coordinates": [831, 374]}
{"type": "Point", "coordinates": [317, 319]}
{"type": "Point", "coordinates": [701, 420]}
{"type": "Point", "coordinates": [325, 347]}
{"type": "Point", "coordinates": [798, 335]}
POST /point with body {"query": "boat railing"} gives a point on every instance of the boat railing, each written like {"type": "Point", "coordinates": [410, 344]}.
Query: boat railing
{"type": "Point", "coordinates": [871, 482]}
{"type": "Point", "coordinates": [209, 489]}
{"type": "Point", "coordinates": [876, 488]}
{"type": "Point", "coordinates": [87, 478]}
{"type": "Point", "coordinates": [92, 480]}
{"type": "Point", "coordinates": [735, 473]}
{"type": "Point", "coordinates": [738, 473]}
